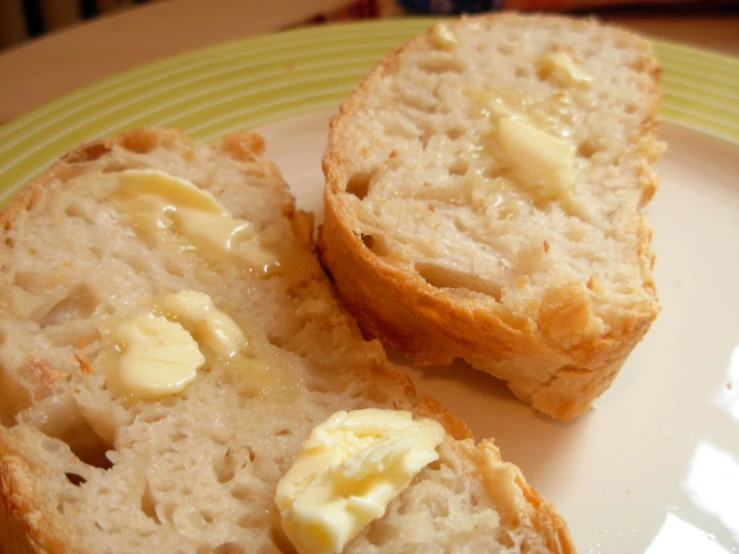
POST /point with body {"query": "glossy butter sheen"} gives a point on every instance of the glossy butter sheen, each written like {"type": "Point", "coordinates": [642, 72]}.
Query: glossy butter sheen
{"type": "Point", "coordinates": [190, 211]}
{"type": "Point", "coordinates": [161, 354]}
{"type": "Point", "coordinates": [348, 471]}
{"type": "Point", "coordinates": [560, 68]}
{"type": "Point", "coordinates": [159, 357]}
{"type": "Point", "coordinates": [530, 138]}
{"type": "Point", "coordinates": [443, 37]}
{"type": "Point", "coordinates": [213, 327]}
{"type": "Point", "coordinates": [540, 162]}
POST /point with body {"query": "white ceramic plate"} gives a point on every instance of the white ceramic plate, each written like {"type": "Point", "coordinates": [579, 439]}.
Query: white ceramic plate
{"type": "Point", "coordinates": [654, 467]}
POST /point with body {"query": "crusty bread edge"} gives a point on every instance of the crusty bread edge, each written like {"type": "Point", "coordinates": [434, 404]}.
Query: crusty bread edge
{"type": "Point", "coordinates": [24, 528]}
{"type": "Point", "coordinates": [407, 313]}
{"type": "Point", "coordinates": [30, 526]}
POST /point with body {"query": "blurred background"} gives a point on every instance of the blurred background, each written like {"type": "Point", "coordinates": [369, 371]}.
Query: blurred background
{"type": "Point", "coordinates": [24, 19]}
{"type": "Point", "coordinates": [21, 20]}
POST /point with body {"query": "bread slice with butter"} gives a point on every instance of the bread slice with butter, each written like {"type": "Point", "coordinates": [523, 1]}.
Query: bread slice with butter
{"type": "Point", "coordinates": [176, 375]}
{"type": "Point", "coordinates": [485, 188]}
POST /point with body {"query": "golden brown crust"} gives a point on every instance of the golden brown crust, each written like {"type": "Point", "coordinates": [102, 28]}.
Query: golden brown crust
{"type": "Point", "coordinates": [542, 515]}
{"type": "Point", "coordinates": [555, 363]}
{"type": "Point", "coordinates": [25, 526]}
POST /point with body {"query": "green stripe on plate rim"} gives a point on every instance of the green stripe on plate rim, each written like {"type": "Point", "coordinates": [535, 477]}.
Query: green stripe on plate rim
{"type": "Point", "coordinates": [258, 80]}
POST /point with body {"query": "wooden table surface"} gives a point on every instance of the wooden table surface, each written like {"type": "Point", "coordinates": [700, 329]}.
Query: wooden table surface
{"type": "Point", "coordinates": [43, 69]}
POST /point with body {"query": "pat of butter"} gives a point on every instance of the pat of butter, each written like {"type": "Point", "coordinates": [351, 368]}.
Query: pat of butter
{"type": "Point", "coordinates": [159, 357]}
{"type": "Point", "coordinates": [443, 37]}
{"type": "Point", "coordinates": [348, 471]}
{"type": "Point", "coordinates": [179, 192]}
{"type": "Point", "coordinates": [529, 137]}
{"type": "Point", "coordinates": [195, 213]}
{"type": "Point", "coordinates": [560, 68]}
{"type": "Point", "coordinates": [538, 160]}
{"type": "Point", "coordinates": [197, 312]}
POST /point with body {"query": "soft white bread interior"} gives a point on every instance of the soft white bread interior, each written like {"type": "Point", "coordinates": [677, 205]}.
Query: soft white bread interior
{"type": "Point", "coordinates": [85, 468]}
{"type": "Point", "coordinates": [484, 194]}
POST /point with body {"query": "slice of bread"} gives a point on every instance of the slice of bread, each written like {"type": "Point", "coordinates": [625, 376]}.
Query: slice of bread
{"type": "Point", "coordinates": [484, 195]}
{"type": "Point", "coordinates": [85, 468]}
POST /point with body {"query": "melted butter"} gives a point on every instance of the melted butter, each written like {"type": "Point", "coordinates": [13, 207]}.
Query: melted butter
{"type": "Point", "coordinates": [212, 346]}
{"type": "Point", "coordinates": [212, 327]}
{"type": "Point", "coordinates": [538, 160]}
{"type": "Point", "coordinates": [242, 359]}
{"type": "Point", "coordinates": [160, 204]}
{"type": "Point", "coordinates": [561, 69]}
{"type": "Point", "coordinates": [530, 137]}
{"type": "Point", "coordinates": [442, 37]}
{"type": "Point", "coordinates": [257, 374]}
{"type": "Point", "coordinates": [552, 114]}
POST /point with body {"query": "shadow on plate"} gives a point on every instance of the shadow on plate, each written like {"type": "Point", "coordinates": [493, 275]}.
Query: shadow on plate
{"type": "Point", "coordinates": [538, 444]}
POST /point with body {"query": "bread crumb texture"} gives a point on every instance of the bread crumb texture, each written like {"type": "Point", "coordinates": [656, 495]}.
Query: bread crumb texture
{"type": "Point", "coordinates": [484, 200]}
{"type": "Point", "coordinates": [85, 467]}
